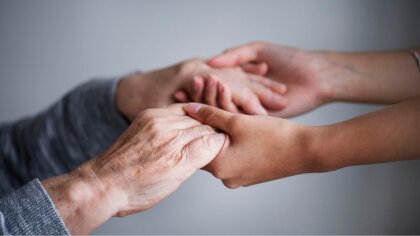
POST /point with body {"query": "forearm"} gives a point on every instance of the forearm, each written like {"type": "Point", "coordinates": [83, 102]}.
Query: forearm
{"type": "Point", "coordinates": [391, 134]}
{"type": "Point", "coordinates": [376, 77]}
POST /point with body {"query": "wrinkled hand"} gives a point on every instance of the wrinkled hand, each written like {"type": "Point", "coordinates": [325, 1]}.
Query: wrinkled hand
{"type": "Point", "coordinates": [298, 69]}
{"type": "Point", "coordinates": [259, 148]}
{"type": "Point", "coordinates": [160, 149]}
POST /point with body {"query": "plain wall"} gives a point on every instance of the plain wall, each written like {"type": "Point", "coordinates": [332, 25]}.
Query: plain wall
{"type": "Point", "coordinates": [48, 47]}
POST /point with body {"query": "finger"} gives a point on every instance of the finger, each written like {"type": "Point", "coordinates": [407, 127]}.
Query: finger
{"type": "Point", "coordinates": [188, 135]}
{"type": "Point", "coordinates": [174, 109]}
{"type": "Point", "coordinates": [256, 68]}
{"type": "Point", "coordinates": [169, 123]}
{"type": "Point", "coordinates": [250, 104]}
{"type": "Point", "coordinates": [203, 150]}
{"type": "Point", "coordinates": [208, 115]}
{"type": "Point", "coordinates": [197, 89]}
{"type": "Point", "coordinates": [237, 56]}
{"type": "Point", "coordinates": [224, 98]}
{"type": "Point", "coordinates": [181, 123]}
{"type": "Point", "coordinates": [276, 86]}
{"type": "Point", "coordinates": [181, 96]}
{"type": "Point", "coordinates": [210, 90]}
{"type": "Point", "coordinates": [267, 97]}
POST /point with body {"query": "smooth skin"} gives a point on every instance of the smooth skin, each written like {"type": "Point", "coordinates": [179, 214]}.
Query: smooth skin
{"type": "Point", "coordinates": [262, 148]}
{"type": "Point", "coordinates": [265, 148]}
{"type": "Point", "coordinates": [314, 78]}
{"type": "Point", "coordinates": [149, 161]}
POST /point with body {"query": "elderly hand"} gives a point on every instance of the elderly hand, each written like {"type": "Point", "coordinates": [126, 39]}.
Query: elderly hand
{"type": "Point", "coordinates": [161, 149]}
{"type": "Point", "coordinates": [251, 93]}
{"type": "Point", "coordinates": [259, 148]}
{"type": "Point", "coordinates": [299, 70]}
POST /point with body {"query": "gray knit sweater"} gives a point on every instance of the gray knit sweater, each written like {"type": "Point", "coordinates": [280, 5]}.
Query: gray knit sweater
{"type": "Point", "coordinates": [78, 127]}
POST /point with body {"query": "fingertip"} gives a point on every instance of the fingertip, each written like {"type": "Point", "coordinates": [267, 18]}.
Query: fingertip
{"type": "Point", "coordinates": [181, 96]}
{"type": "Point", "coordinates": [263, 68]}
{"type": "Point", "coordinates": [193, 108]}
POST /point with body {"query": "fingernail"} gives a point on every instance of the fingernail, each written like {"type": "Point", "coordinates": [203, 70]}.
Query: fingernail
{"type": "Point", "coordinates": [193, 108]}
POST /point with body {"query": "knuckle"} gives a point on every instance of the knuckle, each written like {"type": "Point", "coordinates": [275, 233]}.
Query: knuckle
{"type": "Point", "coordinates": [208, 114]}
{"type": "Point", "coordinates": [147, 114]}
{"type": "Point", "coordinates": [154, 126]}
{"type": "Point", "coordinates": [207, 129]}
{"type": "Point", "coordinates": [206, 143]}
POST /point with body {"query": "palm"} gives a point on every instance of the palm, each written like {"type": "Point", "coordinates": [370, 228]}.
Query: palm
{"type": "Point", "coordinates": [299, 72]}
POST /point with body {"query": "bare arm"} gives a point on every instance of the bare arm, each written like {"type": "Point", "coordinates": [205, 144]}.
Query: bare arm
{"type": "Point", "coordinates": [376, 77]}
{"type": "Point", "coordinates": [391, 134]}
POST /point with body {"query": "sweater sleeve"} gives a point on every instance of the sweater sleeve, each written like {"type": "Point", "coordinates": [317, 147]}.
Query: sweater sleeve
{"type": "Point", "coordinates": [30, 211]}
{"type": "Point", "coordinates": [73, 130]}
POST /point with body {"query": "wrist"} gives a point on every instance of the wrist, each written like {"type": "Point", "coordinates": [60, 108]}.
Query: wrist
{"type": "Point", "coordinates": [82, 200]}
{"type": "Point", "coordinates": [319, 149]}
{"type": "Point", "coordinates": [308, 152]}
{"type": "Point", "coordinates": [331, 74]}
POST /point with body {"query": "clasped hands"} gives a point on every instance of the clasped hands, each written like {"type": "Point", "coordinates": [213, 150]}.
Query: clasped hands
{"type": "Point", "coordinates": [169, 144]}
{"type": "Point", "coordinates": [164, 146]}
{"type": "Point", "coordinates": [222, 126]}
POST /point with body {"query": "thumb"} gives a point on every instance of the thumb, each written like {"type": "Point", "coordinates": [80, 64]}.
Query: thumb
{"type": "Point", "coordinates": [237, 56]}
{"type": "Point", "coordinates": [209, 115]}
{"type": "Point", "coordinates": [203, 150]}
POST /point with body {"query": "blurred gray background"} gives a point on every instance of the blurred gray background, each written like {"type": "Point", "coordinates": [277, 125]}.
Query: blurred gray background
{"type": "Point", "coordinates": [48, 47]}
